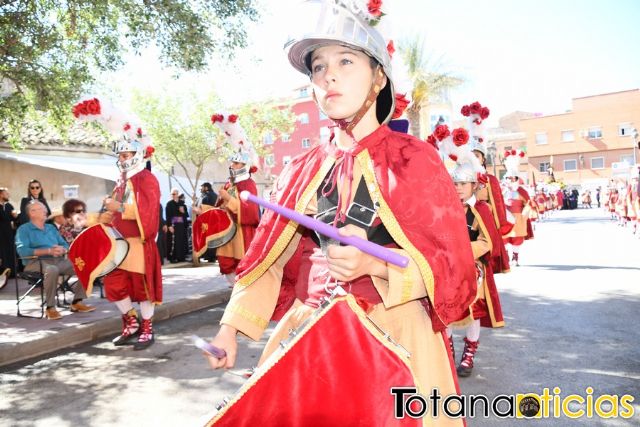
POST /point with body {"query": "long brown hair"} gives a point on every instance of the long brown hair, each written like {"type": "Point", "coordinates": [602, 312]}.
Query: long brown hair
{"type": "Point", "coordinates": [41, 195]}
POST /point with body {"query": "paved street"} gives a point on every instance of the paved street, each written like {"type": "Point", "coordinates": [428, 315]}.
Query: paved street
{"type": "Point", "coordinates": [571, 313]}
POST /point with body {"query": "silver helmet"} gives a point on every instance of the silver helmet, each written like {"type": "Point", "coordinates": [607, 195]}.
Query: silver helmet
{"type": "Point", "coordinates": [476, 145]}
{"type": "Point", "coordinates": [342, 22]}
{"type": "Point", "coordinates": [134, 164]}
{"type": "Point", "coordinates": [464, 172]}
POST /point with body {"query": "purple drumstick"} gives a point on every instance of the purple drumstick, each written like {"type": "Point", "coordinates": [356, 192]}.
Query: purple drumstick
{"type": "Point", "coordinates": [331, 232]}
{"type": "Point", "coordinates": [209, 348]}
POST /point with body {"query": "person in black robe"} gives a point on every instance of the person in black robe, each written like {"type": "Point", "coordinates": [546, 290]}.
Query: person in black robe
{"type": "Point", "coordinates": [177, 235]}
{"type": "Point", "coordinates": [8, 217]}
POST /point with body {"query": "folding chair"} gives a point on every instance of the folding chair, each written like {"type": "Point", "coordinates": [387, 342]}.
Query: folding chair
{"type": "Point", "coordinates": [35, 280]}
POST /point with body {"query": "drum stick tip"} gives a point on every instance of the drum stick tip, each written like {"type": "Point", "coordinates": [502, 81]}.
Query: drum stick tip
{"type": "Point", "coordinates": [244, 195]}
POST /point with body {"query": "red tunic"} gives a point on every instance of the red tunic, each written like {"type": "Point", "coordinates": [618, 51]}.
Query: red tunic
{"type": "Point", "coordinates": [424, 216]}
{"type": "Point", "coordinates": [489, 309]}
{"type": "Point", "coordinates": [246, 219]}
{"type": "Point", "coordinates": [146, 192]}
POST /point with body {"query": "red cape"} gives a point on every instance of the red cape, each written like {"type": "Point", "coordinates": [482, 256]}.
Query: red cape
{"type": "Point", "coordinates": [418, 205]}
{"type": "Point", "coordinates": [490, 308]}
{"type": "Point", "coordinates": [146, 191]}
{"type": "Point", "coordinates": [500, 258]}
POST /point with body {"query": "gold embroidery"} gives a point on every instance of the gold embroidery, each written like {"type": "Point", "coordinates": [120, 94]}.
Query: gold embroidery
{"type": "Point", "coordinates": [79, 262]}
{"type": "Point", "coordinates": [407, 285]}
{"type": "Point", "coordinates": [204, 227]}
{"type": "Point", "coordinates": [249, 315]}
{"type": "Point", "coordinates": [289, 230]}
{"type": "Point", "coordinates": [277, 356]}
{"type": "Point", "coordinates": [391, 223]}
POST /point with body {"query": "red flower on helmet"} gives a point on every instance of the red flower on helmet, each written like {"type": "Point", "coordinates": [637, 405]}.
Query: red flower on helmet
{"type": "Point", "coordinates": [401, 105]}
{"type": "Point", "coordinates": [521, 154]}
{"type": "Point", "coordinates": [217, 118]}
{"type": "Point", "coordinates": [126, 127]}
{"type": "Point", "coordinates": [391, 48]}
{"type": "Point", "coordinates": [441, 132]}
{"type": "Point", "coordinates": [453, 157]}
{"type": "Point", "coordinates": [432, 140]}
{"type": "Point", "coordinates": [374, 8]}
{"type": "Point", "coordinates": [475, 108]}
{"type": "Point", "coordinates": [253, 169]}
{"type": "Point", "coordinates": [139, 132]}
{"type": "Point", "coordinates": [507, 154]}
{"type": "Point", "coordinates": [484, 113]}
{"type": "Point", "coordinates": [233, 118]}
{"type": "Point", "coordinates": [460, 136]}
{"type": "Point", "coordinates": [513, 152]}
{"type": "Point", "coordinates": [465, 111]}
{"type": "Point", "coordinates": [148, 151]}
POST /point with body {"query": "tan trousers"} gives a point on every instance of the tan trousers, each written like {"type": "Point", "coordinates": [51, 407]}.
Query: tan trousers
{"type": "Point", "coordinates": [53, 268]}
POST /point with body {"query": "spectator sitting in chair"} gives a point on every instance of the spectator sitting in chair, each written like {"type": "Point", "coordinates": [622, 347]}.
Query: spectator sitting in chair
{"type": "Point", "coordinates": [41, 240]}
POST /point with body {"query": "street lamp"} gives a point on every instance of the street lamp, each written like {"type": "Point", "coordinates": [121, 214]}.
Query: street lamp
{"type": "Point", "coordinates": [491, 152]}
{"type": "Point", "coordinates": [634, 134]}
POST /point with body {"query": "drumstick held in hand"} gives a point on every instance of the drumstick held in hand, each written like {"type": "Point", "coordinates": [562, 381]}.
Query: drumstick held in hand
{"type": "Point", "coordinates": [371, 248]}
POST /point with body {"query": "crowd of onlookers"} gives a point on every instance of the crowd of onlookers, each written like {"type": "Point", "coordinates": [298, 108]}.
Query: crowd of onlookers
{"type": "Point", "coordinates": [174, 239]}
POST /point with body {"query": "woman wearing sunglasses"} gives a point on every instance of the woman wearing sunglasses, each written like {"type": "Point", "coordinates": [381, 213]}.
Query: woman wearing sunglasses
{"type": "Point", "coordinates": [75, 215]}
{"type": "Point", "coordinates": [34, 192]}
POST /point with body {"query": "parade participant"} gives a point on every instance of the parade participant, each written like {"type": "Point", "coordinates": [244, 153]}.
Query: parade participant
{"type": "Point", "coordinates": [489, 190]}
{"type": "Point", "coordinates": [206, 201]}
{"type": "Point", "coordinates": [387, 187]}
{"type": "Point", "coordinates": [133, 211]}
{"type": "Point", "coordinates": [517, 200]}
{"type": "Point", "coordinates": [246, 215]}
{"type": "Point", "coordinates": [541, 203]}
{"type": "Point", "coordinates": [485, 239]}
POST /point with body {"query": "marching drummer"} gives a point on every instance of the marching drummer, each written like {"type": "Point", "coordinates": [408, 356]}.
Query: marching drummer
{"type": "Point", "coordinates": [363, 181]}
{"type": "Point", "coordinates": [133, 211]}
{"type": "Point", "coordinates": [246, 215]}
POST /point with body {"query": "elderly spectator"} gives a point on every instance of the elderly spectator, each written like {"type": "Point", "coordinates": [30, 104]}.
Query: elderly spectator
{"type": "Point", "coordinates": [34, 192]}
{"type": "Point", "coordinates": [74, 212]}
{"type": "Point", "coordinates": [8, 216]}
{"type": "Point", "coordinates": [41, 240]}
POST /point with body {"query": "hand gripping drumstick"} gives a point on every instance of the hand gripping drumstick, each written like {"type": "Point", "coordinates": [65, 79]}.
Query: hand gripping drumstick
{"type": "Point", "coordinates": [209, 348]}
{"type": "Point", "coordinates": [331, 232]}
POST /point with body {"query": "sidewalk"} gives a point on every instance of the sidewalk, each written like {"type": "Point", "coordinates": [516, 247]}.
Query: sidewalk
{"type": "Point", "coordinates": [186, 289]}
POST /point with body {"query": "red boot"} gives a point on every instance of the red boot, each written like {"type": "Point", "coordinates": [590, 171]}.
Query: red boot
{"type": "Point", "coordinates": [146, 335]}
{"type": "Point", "coordinates": [466, 364]}
{"type": "Point", "coordinates": [130, 327]}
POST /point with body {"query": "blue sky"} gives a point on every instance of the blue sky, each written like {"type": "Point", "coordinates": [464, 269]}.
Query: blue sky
{"type": "Point", "coordinates": [514, 55]}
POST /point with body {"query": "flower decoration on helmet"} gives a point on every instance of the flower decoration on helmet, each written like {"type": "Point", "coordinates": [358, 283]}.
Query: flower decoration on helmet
{"type": "Point", "coordinates": [121, 125]}
{"type": "Point", "coordinates": [237, 145]}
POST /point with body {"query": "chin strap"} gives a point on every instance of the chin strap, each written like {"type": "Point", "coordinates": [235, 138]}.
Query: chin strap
{"type": "Point", "coordinates": [344, 164]}
{"type": "Point", "coordinates": [376, 87]}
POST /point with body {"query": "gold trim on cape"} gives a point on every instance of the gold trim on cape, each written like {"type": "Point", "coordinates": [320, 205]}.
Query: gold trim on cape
{"type": "Point", "coordinates": [289, 230]}
{"type": "Point", "coordinates": [276, 356]}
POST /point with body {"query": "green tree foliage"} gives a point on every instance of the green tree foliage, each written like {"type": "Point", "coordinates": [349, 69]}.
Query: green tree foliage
{"type": "Point", "coordinates": [52, 50]}
{"type": "Point", "coordinates": [184, 137]}
{"type": "Point", "coordinates": [428, 81]}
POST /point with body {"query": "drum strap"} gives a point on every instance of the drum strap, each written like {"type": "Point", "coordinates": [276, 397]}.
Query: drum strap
{"type": "Point", "coordinates": [361, 212]}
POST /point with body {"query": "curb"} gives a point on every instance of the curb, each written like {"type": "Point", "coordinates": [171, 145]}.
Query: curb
{"type": "Point", "coordinates": [81, 334]}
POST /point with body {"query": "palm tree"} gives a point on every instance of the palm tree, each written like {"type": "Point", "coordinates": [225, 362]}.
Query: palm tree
{"type": "Point", "coordinates": [427, 81]}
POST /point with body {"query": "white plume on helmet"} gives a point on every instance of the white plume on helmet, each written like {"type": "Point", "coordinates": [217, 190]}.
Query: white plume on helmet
{"type": "Point", "coordinates": [237, 143]}
{"type": "Point", "coordinates": [454, 145]}
{"type": "Point", "coordinates": [512, 162]}
{"type": "Point", "coordinates": [122, 125]}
